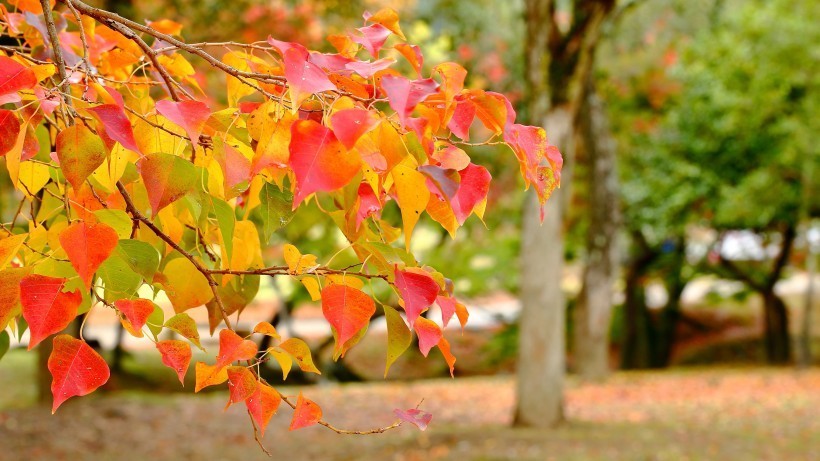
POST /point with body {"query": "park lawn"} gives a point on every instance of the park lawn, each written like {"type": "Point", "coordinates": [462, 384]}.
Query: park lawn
{"type": "Point", "coordinates": [682, 414]}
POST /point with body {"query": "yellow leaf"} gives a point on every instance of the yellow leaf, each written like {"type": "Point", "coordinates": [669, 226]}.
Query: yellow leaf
{"type": "Point", "coordinates": [346, 280]}
{"type": "Point", "coordinates": [284, 360]}
{"type": "Point", "coordinates": [412, 194]}
{"type": "Point", "coordinates": [8, 249]}
{"type": "Point", "coordinates": [312, 286]}
{"type": "Point", "coordinates": [296, 261]}
{"type": "Point", "coordinates": [185, 286]}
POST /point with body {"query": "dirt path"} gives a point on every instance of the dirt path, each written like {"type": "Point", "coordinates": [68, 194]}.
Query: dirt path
{"type": "Point", "coordinates": [759, 414]}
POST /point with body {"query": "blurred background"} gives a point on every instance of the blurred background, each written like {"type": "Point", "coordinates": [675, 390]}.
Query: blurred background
{"type": "Point", "coordinates": [686, 232]}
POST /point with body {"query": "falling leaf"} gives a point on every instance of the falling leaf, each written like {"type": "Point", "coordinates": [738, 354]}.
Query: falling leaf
{"type": "Point", "coordinates": [416, 417]}
{"type": "Point", "coordinates": [348, 310]}
{"type": "Point", "coordinates": [176, 355]}
{"type": "Point", "coordinates": [46, 308]}
{"type": "Point", "coordinates": [76, 369]}
{"type": "Point", "coordinates": [307, 413]}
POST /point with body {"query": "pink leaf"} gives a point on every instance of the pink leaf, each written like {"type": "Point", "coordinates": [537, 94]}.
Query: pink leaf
{"type": "Point", "coordinates": [304, 77]}
{"type": "Point", "coordinates": [350, 124]}
{"type": "Point", "coordinates": [368, 204]}
{"type": "Point", "coordinates": [403, 94]}
{"type": "Point", "coordinates": [462, 118]}
{"type": "Point", "coordinates": [418, 291]}
{"type": "Point", "coordinates": [429, 334]}
{"type": "Point", "coordinates": [368, 69]}
{"type": "Point", "coordinates": [448, 308]}
{"type": "Point", "coordinates": [116, 124]}
{"type": "Point", "coordinates": [420, 419]}
{"type": "Point", "coordinates": [190, 115]}
{"type": "Point", "coordinates": [475, 184]}
{"type": "Point", "coordinates": [372, 38]}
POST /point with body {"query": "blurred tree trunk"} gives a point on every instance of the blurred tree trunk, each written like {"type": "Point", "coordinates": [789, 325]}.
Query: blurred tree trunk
{"type": "Point", "coordinates": [558, 60]}
{"type": "Point", "coordinates": [593, 312]}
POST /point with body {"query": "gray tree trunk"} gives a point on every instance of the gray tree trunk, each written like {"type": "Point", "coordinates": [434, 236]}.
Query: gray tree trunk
{"type": "Point", "coordinates": [592, 315]}
{"type": "Point", "coordinates": [542, 349]}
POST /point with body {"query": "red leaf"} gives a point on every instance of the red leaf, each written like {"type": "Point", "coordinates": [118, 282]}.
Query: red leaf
{"type": "Point", "coordinates": [304, 77]}
{"type": "Point", "coordinates": [233, 348]}
{"type": "Point", "coordinates": [307, 413]}
{"type": "Point", "coordinates": [318, 160]}
{"type": "Point", "coordinates": [46, 308]}
{"type": "Point", "coordinates": [13, 78]}
{"type": "Point", "coordinates": [475, 184]}
{"type": "Point", "coordinates": [190, 115]}
{"type": "Point", "coordinates": [462, 118]}
{"type": "Point", "coordinates": [403, 94]}
{"type": "Point", "coordinates": [429, 334]}
{"type": "Point", "coordinates": [176, 355]}
{"type": "Point", "coordinates": [372, 38]}
{"type": "Point", "coordinates": [332, 62]}
{"type": "Point", "coordinates": [283, 47]}
{"type": "Point", "coordinates": [76, 369]}
{"type": "Point", "coordinates": [418, 291]}
{"type": "Point", "coordinates": [116, 124]}
{"type": "Point", "coordinates": [348, 310]}
{"type": "Point", "coordinates": [418, 418]}
{"type": "Point", "coordinates": [135, 310]}
{"type": "Point", "coordinates": [368, 204]}
{"type": "Point", "coordinates": [9, 129]}
{"type": "Point", "coordinates": [262, 405]}
{"type": "Point", "coordinates": [87, 246]}
{"type": "Point", "coordinates": [350, 124]}
{"type": "Point", "coordinates": [241, 384]}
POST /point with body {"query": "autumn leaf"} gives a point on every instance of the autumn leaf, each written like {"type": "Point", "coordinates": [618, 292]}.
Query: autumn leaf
{"type": "Point", "coordinates": [420, 419]}
{"type": "Point", "coordinates": [399, 337]}
{"type": "Point", "coordinates": [444, 346]}
{"type": "Point", "coordinates": [136, 312]}
{"type": "Point", "coordinates": [404, 94]}
{"type": "Point", "coordinates": [76, 369]}
{"type": "Point", "coordinates": [307, 413]}
{"type": "Point", "coordinates": [190, 115]}
{"type": "Point", "coordinates": [475, 184]}
{"type": "Point", "coordinates": [13, 78]}
{"type": "Point", "coordinates": [372, 38]}
{"type": "Point", "coordinates": [319, 160]}
{"type": "Point", "coordinates": [301, 352]}
{"type": "Point", "coordinates": [265, 328]}
{"type": "Point", "coordinates": [417, 290]}
{"type": "Point", "coordinates": [80, 153]}
{"type": "Point", "coordinates": [232, 348]}
{"type": "Point", "coordinates": [241, 384]}
{"type": "Point", "coordinates": [262, 405]}
{"type": "Point", "coordinates": [429, 334]}
{"type": "Point", "coordinates": [186, 326]}
{"type": "Point", "coordinates": [46, 308]}
{"type": "Point", "coordinates": [304, 77]}
{"type": "Point", "coordinates": [209, 375]}
{"type": "Point", "coordinates": [388, 18]}
{"type": "Point", "coordinates": [185, 286]}
{"type": "Point", "coordinates": [9, 129]}
{"type": "Point", "coordinates": [350, 124]}
{"type": "Point", "coordinates": [88, 246]}
{"type": "Point", "coordinates": [296, 261]}
{"type": "Point", "coordinates": [9, 247]}
{"type": "Point", "coordinates": [176, 355]}
{"type": "Point", "coordinates": [167, 178]}
{"type": "Point", "coordinates": [116, 125]}
{"type": "Point", "coordinates": [10, 293]}
{"type": "Point", "coordinates": [348, 310]}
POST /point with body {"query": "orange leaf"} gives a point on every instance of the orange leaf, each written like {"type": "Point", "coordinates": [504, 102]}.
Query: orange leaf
{"type": "Point", "coordinates": [262, 405]}
{"type": "Point", "coordinates": [307, 413]}
{"type": "Point", "coordinates": [76, 369]}
{"type": "Point", "coordinates": [241, 384]}
{"type": "Point", "coordinates": [444, 346]}
{"type": "Point", "coordinates": [46, 308]}
{"type": "Point", "coordinates": [348, 310]}
{"type": "Point", "coordinates": [176, 355]}
{"type": "Point", "coordinates": [233, 348]}
{"type": "Point", "coordinates": [209, 375]}
{"type": "Point", "coordinates": [87, 246]}
{"type": "Point", "coordinates": [136, 312]}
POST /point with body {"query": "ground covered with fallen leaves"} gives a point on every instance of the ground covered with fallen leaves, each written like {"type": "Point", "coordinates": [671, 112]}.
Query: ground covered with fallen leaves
{"type": "Point", "coordinates": [707, 414]}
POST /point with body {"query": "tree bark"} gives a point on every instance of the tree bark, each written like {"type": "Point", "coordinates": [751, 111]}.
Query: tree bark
{"type": "Point", "coordinates": [778, 342]}
{"type": "Point", "coordinates": [593, 312]}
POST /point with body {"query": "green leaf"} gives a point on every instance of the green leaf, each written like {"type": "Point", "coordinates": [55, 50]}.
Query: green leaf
{"type": "Point", "coordinates": [155, 321]}
{"type": "Point", "coordinates": [120, 280]}
{"type": "Point", "coordinates": [399, 337]}
{"type": "Point", "coordinates": [226, 219]}
{"type": "Point", "coordinates": [140, 256]}
{"type": "Point", "coordinates": [117, 219]}
{"type": "Point", "coordinates": [5, 341]}
{"type": "Point", "coordinates": [276, 209]}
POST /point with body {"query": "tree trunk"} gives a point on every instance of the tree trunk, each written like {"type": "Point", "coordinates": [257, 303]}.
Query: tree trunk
{"type": "Point", "coordinates": [593, 312]}
{"type": "Point", "coordinates": [542, 349]}
{"type": "Point", "coordinates": [778, 342]}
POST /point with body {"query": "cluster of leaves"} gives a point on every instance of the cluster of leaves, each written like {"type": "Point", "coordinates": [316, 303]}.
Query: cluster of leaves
{"type": "Point", "coordinates": [132, 185]}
